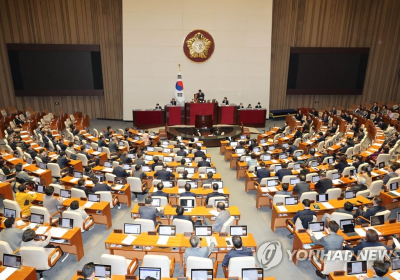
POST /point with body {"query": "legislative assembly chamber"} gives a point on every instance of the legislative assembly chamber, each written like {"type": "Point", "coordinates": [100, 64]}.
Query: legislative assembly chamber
{"type": "Point", "coordinates": [177, 139]}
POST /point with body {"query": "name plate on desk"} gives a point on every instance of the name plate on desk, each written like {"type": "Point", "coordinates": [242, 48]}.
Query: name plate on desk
{"type": "Point", "coordinates": [302, 230]}
{"type": "Point", "coordinates": [141, 204]}
{"type": "Point", "coordinates": [209, 206]}
{"type": "Point", "coordinates": [152, 233]}
{"type": "Point", "coordinates": [392, 221]}
{"type": "Point", "coordinates": [340, 198]}
{"type": "Point", "coordinates": [181, 278]}
{"type": "Point", "coordinates": [132, 277]}
{"type": "Point", "coordinates": [117, 230]}
{"type": "Point", "coordinates": [223, 234]}
{"type": "Point", "coordinates": [187, 234]}
{"type": "Point", "coordinates": [338, 273]}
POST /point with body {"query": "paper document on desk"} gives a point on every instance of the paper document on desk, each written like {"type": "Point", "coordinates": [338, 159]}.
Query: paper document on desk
{"type": "Point", "coordinates": [272, 189]}
{"type": "Point", "coordinates": [128, 240]}
{"type": "Point", "coordinates": [282, 208]}
{"type": "Point", "coordinates": [88, 204]}
{"type": "Point", "coordinates": [395, 275]}
{"type": "Point", "coordinates": [31, 192]}
{"type": "Point", "coordinates": [368, 153]}
{"type": "Point", "coordinates": [118, 187]}
{"type": "Point", "coordinates": [162, 240]}
{"type": "Point", "coordinates": [221, 191]}
{"type": "Point", "coordinates": [383, 170]}
{"type": "Point", "coordinates": [374, 174]}
{"type": "Point", "coordinates": [318, 235]}
{"type": "Point", "coordinates": [57, 232]}
{"type": "Point", "coordinates": [274, 161]}
{"type": "Point", "coordinates": [41, 230]}
{"type": "Point", "coordinates": [25, 165]}
{"type": "Point", "coordinates": [74, 180]}
{"type": "Point", "coordinates": [96, 153]}
{"type": "Point", "coordinates": [11, 159]}
{"type": "Point", "coordinates": [181, 190]}
{"type": "Point", "coordinates": [20, 223]}
{"type": "Point", "coordinates": [215, 212]}
{"type": "Point", "coordinates": [88, 182]}
{"type": "Point", "coordinates": [306, 246]}
{"type": "Point", "coordinates": [107, 169]}
{"type": "Point", "coordinates": [7, 272]}
{"type": "Point", "coordinates": [40, 171]}
{"type": "Point", "coordinates": [396, 193]}
{"type": "Point", "coordinates": [360, 232]}
{"type": "Point", "coordinates": [367, 228]}
{"type": "Point", "coordinates": [327, 205]}
{"type": "Point", "coordinates": [337, 182]}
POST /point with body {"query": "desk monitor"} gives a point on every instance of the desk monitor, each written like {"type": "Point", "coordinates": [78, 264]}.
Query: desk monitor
{"type": "Point", "coordinates": [395, 263]}
{"type": "Point", "coordinates": [314, 163]}
{"type": "Point", "coordinates": [202, 274]}
{"type": "Point", "coordinates": [40, 188]}
{"type": "Point", "coordinates": [65, 193]}
{"type": "Point", "coordinates": [99, 149]}
{"type": "Point", "coordinates": [272, 183]}
{"type": "Point", "coordinates": [282, 156]}
{"type": "Point", "coordinates": [335, 176]}
{"type": "Point", "coordinates": [168, 184]}
{"type": "Point", "coordinates": [316, 226]}
{"type": "Point", "coordinates": [66, 223]}
{"type": "Point", "coordinates": [187, 202]}
{"type": "Point", "coordinates": [132, 156]}
{"type": "Point", "coordinates": [146, 168]}
{"type": "Point", "coordinates": [398, 216]}
{"type": "Point", "coordinates": [152, 133]}
{"type": "Point", "coordinates": [94, 197]}
{"type": "Point", "coordinates": [298, 154]}
{"type": "Point", "coordinates": [256, 150]}
{"type": "Point", "coordinates": [193, 184]}
{"type": "Point", "coordinates": [296, 166]}
{"type": "Point", "coordinates": [294, 181]}
{"type": "Point", "coordinates": [107, 164]}
{"type": "Point", "coordinates": [78, 174]}
{"type": "Point", "coordinates": [29, 160]}
{"type": "Point", "coordinates": [381, 165]}
{"type": "Point", "coordinates": [120, 180]}
{"type": "Point", "coordinates": [377, 220]}
{"type": "Point", "coordinates": [150, 149]}
{"type": "Point", "coordinates": [394, 186]}
{"type": "Point", "coordinates": [322, 198]}
{"type": "Point", "coordinates": [330, 160]}
{"type": "Point", "coordinates": [358, 267]}
{"type": "Point", "coordinates": [203, 230]}
{"type": "Point", "coordinates": [213, 170]}
{"type": "Point", "coordinates": [199, 144]}
{"type": "Point", "coordinates": [291, 201]}
{"type": "Point", "coordinates": [238, 230]}
{"type": "Point", "coordinates": [347, 222]}
{"type": "Point", "coordinates": [121, 144]}
{"type": "Point", "coordinates": [219, 183]}
{"type": "Point", "coordinates": [132, 228]}
{"type": "Point", "coordinates": [10, 260]}
{"type": "Point", "coordinates": [285, 145]}
{"type": "Point", "coordinates": [88, 146]}
{"type": "Point", "coordinates": [246, 159]}
{"type": "Point", "coordinates": [187, 159]}
{"type": "Point", "coordinates": [277, 167]}
{"type": "Point", "coordinates": [102, 270]}
{"type": "Point", "coordinates": [225, 201]}
{"type": "Point", "coordinates": [242, 137]}
{"type": "Point", "coordinates": [262, 141]}
{"type": "Point", "coordinates": [156, 202]}
{"type": "Point", "coordinates": [271, 148]}
{"type": "Point", "coordinates": [126, 166]}
{"type": "Point", "coordinates": [100, 177]}
{"type": "Point", "coordinates": [349, 194]}
{"type": "Point", "coordinates": [167, 150]}
{"type": "Point", "coordinates": [137, 138]}
{"type": "Point", "coordinates": [252, 274]}
{"type": "Point", "coordinates": [208, 159]}
{"type": "Point", "coordinates": [11, 213]}
{"type": "Point", "coordinates": [267, 158]}
{"type": "Point", "coordinates": [190, 170]}
{"type": "Point", "coordinates": [352, 172]}
{"type": "Point", "coordinates": [42, 165]}
{"type": "Point", "coordinates": [239, 151]}
{"type": "Point", "coordinates": [167, 230]}
{"type": "Point", "coordinates": [37, 218]}
{"type": "Point", "coordinates": [315, 178]}
{"type": "Point", "coordinates": [148, 157]}
{"type": "Point", "coordinates": [167, 159]}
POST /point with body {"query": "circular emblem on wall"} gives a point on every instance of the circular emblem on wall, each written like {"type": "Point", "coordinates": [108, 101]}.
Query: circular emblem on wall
{"type": "Point", "coordinates": [198, 46]}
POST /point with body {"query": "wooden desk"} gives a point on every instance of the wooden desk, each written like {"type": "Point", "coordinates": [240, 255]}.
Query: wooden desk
{"type": "Point", "coordinates": [197, 213]}
{"type": "Point", "coordinates": [351, 277]}
{"type": "Point", "coordinates": [25, 273]}
{"type": "Point", "coordinates": [6, 191]}
{"type": "Point", "coordinates": [222, 148]}
{"type": "Point", "coordinates": [278, 218]}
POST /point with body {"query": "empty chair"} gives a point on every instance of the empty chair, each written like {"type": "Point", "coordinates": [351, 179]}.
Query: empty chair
{"type": "Point", "coordinates": [349, 152]}
{"type": "Point", "coordinates": [108, 197]}
{"type": "Point", "coordinates": [77, 193]}
{"type": "Point", "coordinates": [120, 265]}
{"type": "Point", "coordinates": [110, 177]}
{"type": "Point", "coordinates": [182, 226]}
{"type": "Point", "coordinates": [200, 263]}
{"type": "Point", "coordinates": [137, 187]}
{"type": "Point", "coordinates": [42, 259]}
{"type": "Point", "coordinates": [337, 217]}
{"type": "Point", "coordinates": [57, 188]}
{"type": "Point", "coordinates": [373, 256]}
{"type": "Point", "coordinates": [346, 170]}
{"type": "Point", "coordinates": [163, 200]}
{"type": "Point", "coordinates": [94, 146]}
{"type": "Point", "coordinates": [227, 225]}
{"type": "Point", "coordinates": [84, 160]}
{"type": "Point", "coordinates": [211, 200]}
{"type": "Point", "coordinates": [78, 221]}
{"type": "Point", "coordinates": [363, 193]}
{"type": "Point", "coordinates": [333, 261]}
{"type": "Point", "coordinates": [145, 224]}
{"type": "Point", "coordinates": [385, 214]}
{"type": "Point", "coordinates": [11, 204]}
{"type": "Point", "coordinates": [329, 173]}
{"type": "Point", "coordinates": [56, 170]}
{"type": "Point", "coordinates": [47, 218]}
{"type": "Point", "coordinates": [375, 188]}
{"type": "Point", "coordinates": [237, 264]}
{"type": "Point", "coordinates": [309, 195]}
{"type": "Point", "coordinates": [298, 225]}
{"type": "Point", "coordinates": [109, 154]}
{"type": "Point", "coordinates": [383, 158]}
{"type": "Point", "coordinates": [334, 193]}
{"type": "Point", "coordinates": [167, 265]}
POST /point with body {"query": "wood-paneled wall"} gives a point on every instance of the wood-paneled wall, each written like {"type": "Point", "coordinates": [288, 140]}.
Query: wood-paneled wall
{"type": "Point", "coordinates": [337, 23]}
{"type": "Point", "coordinates": [65, 22]}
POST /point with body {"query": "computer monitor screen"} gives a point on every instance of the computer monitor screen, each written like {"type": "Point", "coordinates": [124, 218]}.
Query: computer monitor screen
{"type": "Point", "coordinates": [225, 201]}
{"type": "Point", "coordinates": [315, 178]}
{"type": "Point", "coordinates": [330, 160]}
{"type": "Point", "coordinates": [335, 176]}
{"type": "Point", "coordinates": [349, 194]}
{"type": "Point", "coordinates": [190, 170]}
{"type": "Point", "coordinates": [358, 267]}
{"type": "Point", "coordinates": [65, 193]}
{"type": "Point", "coordinates": [271, 148]}
{"type": "Point", "coordinates": [126, 166]}
{"type": "Point", "coordinates": [37, 218]}
{"type": "Point", "coordinates": [282, 156]}
{"type": "Point", "coordinates": [352, 172]}
{"type": "Point", "coordinates": [193, 184]}
{"type": "Point", "coordinates": [146, 168]}
{"type": "Point", "coordinates": [246, 159]}
{"type": "Point", "coordinates": [211, 169]}
{"type": "Point", "coordinates": [203, 230]}
{"type": "Point", "coordinates": [168, 184]}
{"type": "Point", "coordinates": [346, 222]}
{"type": "Point", "coordinates": [316, 226]}
{"type": "Point", "coordinates": [121, 143]}
{"type": "Point", "coordinates": [99, 149]}
{"type": "Point", "coordinates": [291, 201]}
{"type": "Point", "coordinates": [132, 228]}
{"type": "Point", "coordinates": [150, 149]}
{"type": "Point", "coordinates": [78, 174]}
{"type": "Point", "coordinates": [102, 271]}
{"type": "Point", "coordinates": [167, 150]}
{"type": "Point", "coordinates": [167, 159]}
{"type": "Point", "coordinates": [262, 141]}
{"type": "Point", "coordinates": [242, 137]}
{"type": "Point", "coordinates": [42, 165]}
{"type": "Point", "coordinates": [148, 157]}
{"type": "Point", "coordinates": [239, 230]}
{"type": "Point", "coordinates": [322, 197]}
{"type": "Point", "coordinates": [271, 183]}
{"type": "Point", "coordinates": [188, 160]}
{"type": "Point", "coordinates": [394, 186]}
{"type": "Point", "coordinates": [10, 260]}
{"type": "Point", "coordinates": [132, 156]}
{"type": "Point", "coordinates": [314, 163]}
{"type": "Point", "coordinates": [266, 157]}
{"type": "Point", "coordinates": [395, 263]}
{"type": "Point", "coordinates": [381, 165]}
{"type": "Point", "coordinates": [99, 177]}
{"type": "Point", "coordinates": [285, 145]}
{"type": "Point", "coordinates": [252, 274]}
{"type": "Point", "coordinates": [298, 154]}
{"type": "Point", "coordinates": [398, 217]}
{"type": "Point", "coordinates": [156, 202]}
{"type": "Point", "coordinates": [41, 188]}
{"type": "Point", "coordinates": [239, 151]}
{"type": "Point", "coordinates": [66, 223]}
{"type": "Point", "coordinates": [296, 166]}
{"type": "Point", "coordinates": [202, 274]}
{"type": "Point", "coordinates": [166, 230]}
{"type": "Point", "coordinates": [377, 220]}
{"type": "Point", "coordinates": [256, 149]}
{"type": "Point", "coordinates": [94, 197]}
{"type": "Point", "coordinates": [10, 213]}
{"type": "Point", "coordinates": [28, 160]}
{"type": "Point", "coordinates": [219, 183]}
{"type": "Point", "coordinates": [294, 181]}
{"type": "Point", "coordinates": [107, 164]}
{"type": "Point", "coordinates": [186, 202]}
{"type": "Point", "coordinates": [278, 167]}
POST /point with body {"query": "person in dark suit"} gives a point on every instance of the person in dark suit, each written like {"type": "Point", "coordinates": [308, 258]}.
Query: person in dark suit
{"type": "Point", "coordinates": [100, 187]}
{"type": "Point", "coordinates": [179, 215]}
{"type": "Point", "coordinates": [262, 172]}
{"type": "Point", "coordinates": [30, 151]}
{"type": "Point", "coordinates": [204, 162]}
{"type": "Point", "coordinates": [181, 151]}
{"type": "Point", "coordinates": [292, 148]}
{"type": "Point", "coordinates": [209, 178]}
{"type": "Point", "coordinates": [83, 151]}
{"type": "Point", "coordinates": [62, 161]}
{"type": "Point", "coordinates": [43, 156]}
{"type": "Point", "coordinates": [187, 191]}
{"type": "Point", "coordinates": [238, 250]}
{"type": "Point", "coordinates": [158, 107]}
{"type": "Point", "coordinates": [81, 186]}
{"type": "Point", "coordinates": [60, 142]}
{"type": "Point", "coordinates": [159, 191]}
{"type": "Point", "coordinates": [173, 102]}
{"type": "Point", "coordinates": [199, 152]}
{"type": "Point", "coordinates": [113, 145]}
{"type": "Point", "coordinates": [119, 171]}
{"type": "Point", "coordinates": [258, 106]}
{"type": "Point", "coordinates": [125, 159]}
{"type": "Point", "coordinates": [325, 119]}
{"type": "Point", "coordinates": [201, 96]}
{"type": "Point", "coordinates": [304, 169]}
{"type": "Point", "coordinates": [376, 208]}
{"type": "Point", "coordinates": [342, 164]}
{"type": "Point", "coordinates": [375, 108]}
{"type": "Point", "coordinates": [156, 163]}
{"type": "Point", "coordinates": [330, 242]}
{"type": "Point", "coordinates": [323, 184]}
{"type": "Point", "coordinates": [240, 106]}
{"type": "Point", "coordinates": [138, 173]}
{"type": "Point", "coordinates": [306, 211]}
{"type": "Point", "coordinates": [311, 158]}
{"type": "Point", "coordinates": [164, 174]}
{"type": "Point", "coordinates": [359, 160]}
{"type": "Point", "coordinates": [148, 212]}
{"type": "Point", "coordinates": [371, 240]}
{"type": "Point", "coordinates": [88, 172]}
{"type": "Point", "coordinates": [139, 159]}
{"type": "Point", "coordinates": [183, 163]}
{"type": "Point", "coordinates": [377, 119]}
{"type": "Point", "coordinates": [101, 142]}
{"type": "Point", "coordinates": [320, 138]}
{"type": "Point", "coordinates": [283, 172]}
{"type": "Point", "coordinates": [301, 187]}
{"type": "Point", "coordinates": [360, 185]}
{"type": "Point", "coordinates": [225, 101]}
{"type": "Point", "coordinates": [298, 134]}
{"type": "Point", "coordinates": [214, 193]}
{"type": "Point", "coordinates": [391, 174]}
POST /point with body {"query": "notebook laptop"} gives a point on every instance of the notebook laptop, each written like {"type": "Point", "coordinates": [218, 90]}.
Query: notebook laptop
{"type": "Point", "coordinates": [225, 201]}
{"type": "Point", "coordinates": [291, 201]}
{"type": "Point", "coordinates": [167, 159]}
{"type": "Point", "coordinates": [357, 268]}
{"type": "Point", "coordinates": [94, 197]}
{"type": "Point", "coordinates": [349, 230]}
{"type": "Point", "coordinates": [168, 184]}
{"type": "Point", "coordinates": [107, 164]}
{"type": "Point", "coordinates": [252, 274]}
{"type": "Point", "coordinates": [349, 194]}
{"type": "Point", "coordinates": [146, 168]}
{"type": "Point", "coordinates": [126, 166]}
{"type": "Point", "coordinates": [65, 193]}
{"type": "Point", "coordinates": [315, 179]}
{"type": "Point", "coordinates": [10, 213]}
{"type": "Point", "coordinates": [316, 226]}
{"type": "Point", "coordinates": [167, 230]}
{"type": "Point", "coordinates": [294, 181]}
{"type": "Point", "coordinates": [10, 260]}
{"type": "Point", "coordinates": [102, 270]}
{"type": "Point", "coordinates": [296, 166]}
{"type": "Point", "coordinates": [239, 151]}
{"type": "Point", "coordinates": [346, 222]}
{"type": "Point", "coordinates": [268, 157]}
{"type": "Point", "coordinates": [377, 220]}
{"type": "Point", "coordinates": [335, 176]}
{"type": "Point", "coordinates": [271, 148]}
{"type": "Point", "coordinates": [395, 263]}
{"type": "Point", "coordinates": [37, 218]}
{"type": "Point", "coordinates": [42, 165]}
{"type": "Point", "coordinates": [393, 187]}
{"type": "Point", "coordinates": [238, 230]}
{"type": "Point", "coordinates": [132, 228]}
{"type": "Point", "coordinates": [150, 149]}
{"type": "Point", "coordinates": [186, 202]}
{"type": "Point", "coordinates": [40, 188]}
{"type": "Point", "coordinates": [322, 197]}
{"type": "Point", "coordinates": [202, 274]}
{"type": "Point", "coordinates": [203, 230]}
{"type": "Point", "coordinates": [66, 223]}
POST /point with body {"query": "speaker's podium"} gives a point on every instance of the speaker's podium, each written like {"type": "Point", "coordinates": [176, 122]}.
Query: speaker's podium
{"type": "Point", "coordinates": [202, 109]}
{"type": "Point", "coordinates": [175, 115]}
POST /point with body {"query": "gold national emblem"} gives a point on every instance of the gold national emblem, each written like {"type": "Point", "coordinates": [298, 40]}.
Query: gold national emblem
{"type": "Point", "coordinates": [198, 46]}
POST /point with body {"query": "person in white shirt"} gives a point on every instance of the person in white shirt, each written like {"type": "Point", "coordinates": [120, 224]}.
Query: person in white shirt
{"type": "Point", "coordinates": [28, 239]}
{"type": "Point", "coordinates": [74, 206]}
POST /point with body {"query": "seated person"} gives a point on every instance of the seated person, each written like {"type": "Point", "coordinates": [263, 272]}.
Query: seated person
{"type": "Point", "coordinates": [301, 187]}
{"type": "Point", "coordinates": [11, 234]}
{"type": "Point", "coordinates": [215, 192]}
{"type": "Point", "coordinates": [81, 186]}
{"type": "Point", "coordinates": [173, 102]}
{"type": "Point", "coordinates": [253, 161]}
{"type": "Point", "coordinates": [187, 191]}
{"type": "Point", "coordinates": [159, 191]}
{"type": "Point", "coordinates": [100, 187]}
{"type": "Point", "coordinates": [181, 151]}
{"type": "Point", "coordinates": [240, 106]}
{"type": "Point", "coordinates": [223, 216]}
{"type": "Point", "coordinates": [391, 174]}
{"type": "Point", "coordinates": [283, 172]}
{"type": "Point", "coordinates": [24, 200]}
{"type": "Point", "coordinates": [149, 212]}
{"type": "Point", "coordinates": [380, 269]}
{"type": "Point", "coordinates": [237, 251]}
{"type": "Point", "coordinates": [62, 160]}
{"type": "Point", "coordinates": [258, 106]}
{"type": "Point", "coordinates": [158, 107]}
{"type": "Point", "coordinates": [88, 172]}
{"type": "Point", "coordinates": [209, 179]}
{"type": "Point", "coordinates": [51, 202]}
{"type": "Point", "coordinates": [28, 239]}
{"type": "Point", "coordinates": [284, 191]}
{"type": "Point", "coordinates": [74, 206]}
{"type": "Point", "coordinates": [323, 184]}
{"type": "Point", "coordinates": [156, 163]}
{"type": "Point", "coordinates": [71, 148]}
{"type": "Point", "coordinates": [367, 213]}
{"type": "Point", "coordinates": [360, 185]}
{"type": "Point", "coordinates": [311, 158]}
{"type": "Point", "coordinates": [225, 101]}
{"type": "Point", "coordinates": [113, 147]}
{"type": "Point", "coordinates": [183, 163]}
{"type": "Point", "coordinates": [88, 271]}
{"type": "Point", "coordinates": [342, 164]}
{"type": "Point", "coordinates": [348, 209]}
{"type": "Point", "coordinates": [204, 162]}
{"type": "Point", "coordinates": [138, 173]}
{"type": "Point", "coordinates": [119, 171]}
{"type": "Point", "coordinates": [262, 172]}
{"type": "Point", "coordinates": [196, 250]}
{"type": "Point", "coordinates": [304, 169]}
{"type": "Point", "coordinates": [330, 242]}
{"type": "Point", "coordinates": [125, 158]}
{"type": "Point", "coordinates": [21, 175]}
{"type": "Point", "coordinates": [179, 215]}
{"type": "Point", "coordinates": [199, 152]}
{"type": "Point", "coordinates": [371, 240]}
{"type": "Point", "coordinates": [164, 174]}
{"type": "Point", "coordinates": [306, 211]}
